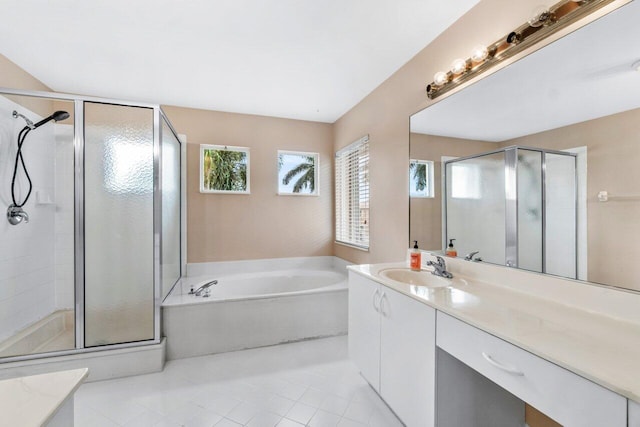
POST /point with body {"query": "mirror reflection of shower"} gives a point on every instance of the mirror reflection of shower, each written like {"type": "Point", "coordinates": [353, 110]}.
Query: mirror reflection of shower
{"type": "Point", "coordinates": [517, 206]}
{"type": "Point", "coordinates": [15, 212]}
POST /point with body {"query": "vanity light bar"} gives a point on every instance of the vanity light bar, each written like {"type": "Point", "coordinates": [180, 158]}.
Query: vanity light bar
{"type": "Point", "coordinates": [543, 23]}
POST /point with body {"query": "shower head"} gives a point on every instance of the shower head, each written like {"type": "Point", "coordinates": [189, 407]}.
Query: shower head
{"type": "Point", "coordinates": [57, 116]}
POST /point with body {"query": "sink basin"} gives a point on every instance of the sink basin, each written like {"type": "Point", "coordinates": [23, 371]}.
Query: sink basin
{"type": "Point", "coordinates": [416, 278]}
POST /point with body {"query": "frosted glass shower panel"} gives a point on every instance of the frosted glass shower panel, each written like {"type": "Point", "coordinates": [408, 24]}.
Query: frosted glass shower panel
{"type": "Point", "coordinates": [475, 206]}
{"type": "Point", "coordinates": [170, 209]}
{"type": "Point", "coordinates": [530, 210]}
{"type": "Point", "coordinates": [560, 202]}
{"type": "Point", "coordinates": [118, 201]}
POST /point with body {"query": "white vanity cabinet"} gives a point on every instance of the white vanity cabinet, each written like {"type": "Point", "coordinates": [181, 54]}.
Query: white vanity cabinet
{"type": "Point", "coordinates": [634, 414]}
{"type": "Point", "coordinates": [562, 395]}
{"type": "Point", "coordinates": [392, 341]}
{"type": "Point", "coordinates": [364, 327]}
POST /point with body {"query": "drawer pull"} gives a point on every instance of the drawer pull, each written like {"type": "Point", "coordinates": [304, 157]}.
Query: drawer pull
{"type": "Point", "coordinates": [509, 369]}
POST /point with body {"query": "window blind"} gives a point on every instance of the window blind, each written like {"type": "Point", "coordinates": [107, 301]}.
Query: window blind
{"type": "Point", "coordinates": [352, 194]}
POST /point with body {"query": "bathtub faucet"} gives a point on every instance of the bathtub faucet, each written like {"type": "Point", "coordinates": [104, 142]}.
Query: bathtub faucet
{"type": "Point", "coordinates": [198, 292]}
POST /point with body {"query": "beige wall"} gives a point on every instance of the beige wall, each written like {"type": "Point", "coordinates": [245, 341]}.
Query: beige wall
{"type": "Point", "coordinates": [384, 115]}
{"type": "Point", "coordinates": [14, 77]}
{"type": "Point", "coordinates": [612, 153]}
{"type": "Point", "coordinates": [425, 222]}
{"type": "Point", "coordinates": [260, 225]}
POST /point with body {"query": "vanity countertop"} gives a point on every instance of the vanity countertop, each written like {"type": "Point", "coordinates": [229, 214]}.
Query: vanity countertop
{"type": "Point", "coordinates": [600, 347]}
{"type": "Point", "coordinates": [34, 400]}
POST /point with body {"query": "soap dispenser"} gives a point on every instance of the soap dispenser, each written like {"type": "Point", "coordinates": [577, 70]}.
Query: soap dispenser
{"type": "Point", "coordinates": [451, 251]}
{"type": "Point", "coordinates": [416, 257]}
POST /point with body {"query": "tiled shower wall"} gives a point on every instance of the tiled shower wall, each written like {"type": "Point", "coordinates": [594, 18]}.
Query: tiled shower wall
{"type": "Point", "coordinates": [27, 262]}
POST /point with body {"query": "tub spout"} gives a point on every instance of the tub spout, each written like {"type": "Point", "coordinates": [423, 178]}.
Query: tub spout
{"type": "Point", "coordinates": [198, 292]}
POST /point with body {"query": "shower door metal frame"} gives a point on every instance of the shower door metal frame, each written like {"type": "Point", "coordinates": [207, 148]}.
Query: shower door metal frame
{"type": "Point", "coordinates": [157, 222]}
{"type": "Point", "coordinates": [79, 267]}
{"type": "Point", "coordinates": [78, 165]}
{"type": "Point", "coordinates": [511, 200]}
{"type": "Point", "coordinates": [181, 197]}
{"type": "Point", "coordinates": [511, 207]}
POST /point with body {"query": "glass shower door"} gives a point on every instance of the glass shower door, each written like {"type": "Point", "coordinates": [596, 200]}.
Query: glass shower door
{"type": "Point", "coordinates": [118, 231]}
{"type": "Point", "coordinates": [475, 206]}
{"type": "Point", "coordinates": [530, 210]}
{"type": "Point", "coordinates": [171, 267]}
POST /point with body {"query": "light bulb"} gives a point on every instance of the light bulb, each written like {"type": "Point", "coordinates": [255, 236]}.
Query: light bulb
{"type": "Point", "coordinates": [539, 17]}
{"type": "Point", "coordinates": [479, 53]}
{"type": "Point", "coordinates": [458, 66]}
{"type": "Point", "coordinates": [440, 78]}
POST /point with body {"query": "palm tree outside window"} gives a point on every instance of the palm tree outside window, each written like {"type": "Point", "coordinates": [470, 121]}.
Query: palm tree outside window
{"type": "Point", "coordinates": [224, 169]}
{"type": "Point", "coordinates": [421, 178]}
{"type": "Point", "coordinates": [298, 173]}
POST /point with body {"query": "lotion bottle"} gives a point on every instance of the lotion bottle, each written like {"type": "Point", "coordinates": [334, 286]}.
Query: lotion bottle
{"type": "Point", "coordinates": [416, 257]}
{"type": "Point", "coordinates": [451, 251]}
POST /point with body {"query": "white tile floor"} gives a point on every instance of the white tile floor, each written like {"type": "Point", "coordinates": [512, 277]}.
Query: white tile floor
{"type": "Point", "coordinates": [310, 383]}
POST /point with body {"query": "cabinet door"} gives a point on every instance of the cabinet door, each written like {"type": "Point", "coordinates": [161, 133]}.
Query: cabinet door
{"type": "Point", "coordinates": [407, 358]}
{"type": "Point", "coordinates": [634, 414]}
{"type": "Point", "coordinates": [364, 327]}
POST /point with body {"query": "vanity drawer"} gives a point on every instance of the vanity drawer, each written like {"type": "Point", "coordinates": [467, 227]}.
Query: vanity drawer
{"type": "Point", "coordinates": [562, 395]}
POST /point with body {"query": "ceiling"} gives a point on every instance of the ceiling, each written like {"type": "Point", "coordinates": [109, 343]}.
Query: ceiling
{"type": "Point", "coordinates": [310, 60]}
{"type": "Point", "coordinates": [585, 75]}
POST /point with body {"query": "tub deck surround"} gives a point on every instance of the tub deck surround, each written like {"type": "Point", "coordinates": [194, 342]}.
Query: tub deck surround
{"type": "Point", "coordinates": [589, 330]}
{"type": "Point", "coordinates": [40, 400]}
{"type": "Point", "coordinates": [255, 303]}
{"type": "Point", "coordinates": [242, 286]}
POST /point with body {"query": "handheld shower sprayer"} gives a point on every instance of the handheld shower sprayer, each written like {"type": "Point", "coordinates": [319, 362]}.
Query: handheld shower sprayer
{"type": "Point", "coordinates": [15, 213]}
{"type": "Point", "coordinates": [57, 116]}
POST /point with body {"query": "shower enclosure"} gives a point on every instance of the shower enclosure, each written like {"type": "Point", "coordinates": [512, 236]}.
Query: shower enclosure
{"type": "Point", "coordinates": [516, 206]}
{"type": "Point", "coordinates": [102, 244]}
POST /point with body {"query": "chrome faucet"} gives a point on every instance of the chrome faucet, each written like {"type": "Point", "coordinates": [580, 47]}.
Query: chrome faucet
{"type": "Point", "coordinates": [198, 292]}
{"type": "Point", "coordinates": [439, 268]}
{"type": "Point", "coordinates": [470, 256]}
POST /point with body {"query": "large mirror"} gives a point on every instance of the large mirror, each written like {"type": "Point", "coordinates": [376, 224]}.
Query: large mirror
{"type": "Point", "coordinates": [538, 165]}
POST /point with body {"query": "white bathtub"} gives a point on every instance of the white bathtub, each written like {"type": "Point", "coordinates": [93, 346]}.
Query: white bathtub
{"type": "Point", "coordinates": [254, 304]}
{"type": "Point", "coordinates": [256, 285]}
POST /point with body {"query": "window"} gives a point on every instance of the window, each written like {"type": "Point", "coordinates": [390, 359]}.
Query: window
{"type": "Point", "coordinates": [224, 169]}
{"type": "Point", "coordinates": [352, 194]}
{"type": "Point", "coordinates": [298, 173]}
{"type": "Point", "coordinates": [421, 178]}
